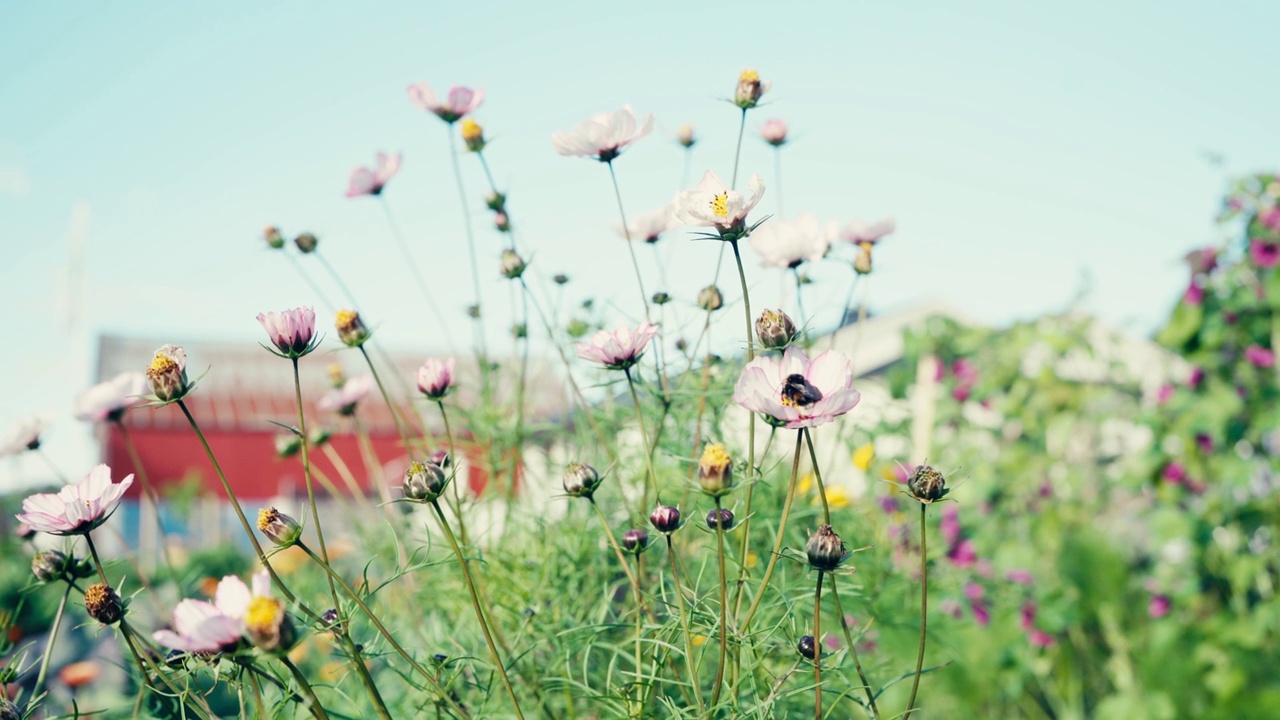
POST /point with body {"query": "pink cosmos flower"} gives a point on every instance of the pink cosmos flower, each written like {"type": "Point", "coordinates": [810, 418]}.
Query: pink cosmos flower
{"type": "Point", "coordinates": [1159, 606]}
{"type": "Point", "coordinates": [1264, 253]}
{"type": "Point", "coordinates": [790, 243]}
{"type": "Point", "coordinates": [370, 181]}
{"type": "Point", "coordinates": [950, 525]}
{"type": "Point", "coordinates": [1204, 443]}
{"type": "Point", "coordinates": [796, 391]}
{"type": "Point", "coordinates": [604, 135]}
{"type": "Point", "coordinates": [1041, 639]}
{"type": "Point", "coordinates": [291, 331]}
{"type": "Point", "coordinates": [774, 132]}
{"type": "Point", "coordinates": [1019, 576]}
{"type": "Point", "coordinates": [343, 399]}
{"type": "Point", "coordinates": [1028, 614]}
{"type": "Point", "coordinates": [1196, 377]}
{"type": "Point", "coordinates": [75, 509]}
{"type": "Point", "coordinates": [204, 627]}
{"type": "Point", "coordinates": [648, 226]}
{"type": "Point", "coordinates": [435, 377]}
{"type": "Point", "coordinates": [620, 349]}
{"type": "Point", "coordinates": [1174, 472]}
{"type": "Point", "coordinates": [1259, 356]}
{"type": "Point", "coordinates": [1270, 218]}
{"type": "Point", "coordinates": [713, 204]}
{"type": "Point", "coordinates": [23, 436]}
{"type": "Point", "coordinates": [1194, 294]}
{"type": "Point", "coordinates": [461, 100]}
{"type": "Point", "coordinates": [964, 554]}
{"type": "Point", "coordinates": [1164, 393]}
{"type": "Point", "coordinates": [858, 232]}
{"type": "Point", "coordinates": [108, 400]}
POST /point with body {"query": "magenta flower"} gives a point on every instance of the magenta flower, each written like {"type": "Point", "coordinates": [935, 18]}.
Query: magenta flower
{"type": "Point", "coordinates": [1196, 378]}
{"type": "Point", "coordinates": [1194, 294]}
{"type": "Point", "coordinates": [461, 101]}
{"type": "Point", "coordinates": [1041, 639]}
{"type": "Point", "coordinates": [964, 554]}
{"type": "Point", "coordinates": [23, 436]}
{"type": "Point", "coordinates": [790, 243]}
{"type": "Point", "coordinates": [1203, 260]}
{"type": "Point", "coordinates": [75, 509]}
{"type": "Point", "coordinates": [1204, 443]}
{"type": "Point", "coordinates": [858, 232]}
{"type": "Point", "coordinates": [293, 332]}
{"type": "Point", "coordinates": [1019, 576]}
{"type": "Point", "coordinates": [1264, 253]}
{"type": "Point", "coordinates": [204, 627]}
{"type": "Point", "coordinates": [1164, 393]}
{"type": "Point", "coordinates": [620, 349]}
{"type": "Point", "coordinates": [1174, 472]}
{"type": "Point", "coordinates": [795, 391]}
{"type": "Point", "coordinates": [108, 400]}
{"type": "Point", "coordinates": [1159, 606]}
{"type": "Point", "coordinates": [1028, 615]}
{"type": "Point", "coordinates": [1259, 356]}
{"type": "Point", "coordinates": [950, 525]}
{"type": "Point", "coordinates": [774, 132]}
{"type": "Point", "coordinates": [343, 399]}
{"type": "Point", "coordinates": [435, 377]}
{"type": "Point", "coordinates": [370, 181]}
{"type": "Point", "coordinates": [1270, 218]}
{"type": "Point", "coordinates": [604, 135]}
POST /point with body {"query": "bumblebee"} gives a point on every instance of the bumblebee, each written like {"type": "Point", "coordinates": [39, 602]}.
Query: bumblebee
{"type": "Point", "coordinates": [799, 392]}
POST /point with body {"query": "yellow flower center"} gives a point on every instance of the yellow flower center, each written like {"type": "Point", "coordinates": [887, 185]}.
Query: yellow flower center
{"type": "Point", "coordinates": [749, 76]}
{"type": "Point", "coordinates": [161, 364]}
{"type": "Point", "coordinates": [471, 130]}
{"type": "Point", "coordinates": [720, 205]}
{"type": "Point", "coordinates": [346, 317]}
{"type": "Point", "coordinates": [265, 517]}
{"type": "Point", "coordinates": [262, 614]}
{"type": "Point", "coordinates": [715, 456]}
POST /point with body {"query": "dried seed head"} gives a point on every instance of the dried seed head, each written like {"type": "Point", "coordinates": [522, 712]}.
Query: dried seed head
{"type": "Point", "coordinates": [826, 550]}
{"type": "Point", "coordinates": [710, 298]}
{"type": "Point", "coordinates": [103, 604]}
{"type": "Point", "coordinates": [927, 485]}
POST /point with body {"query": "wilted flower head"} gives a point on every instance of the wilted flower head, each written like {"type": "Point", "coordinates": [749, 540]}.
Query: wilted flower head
{"type": "Point", "coordinates": [665, 518]}
{"type": "Point", "coordinates": [423, 481]}
{"type": "Point", "coordinates": [796, 391]}
{"type": "Point", "coordinates": [473, 135]}
{"type": "Point", "coordinates": [108, 400]}
{"type": "Point", "coordinates": [23, 436]}
{"type": "Point", "coordinates": [715, 470]}
{"type": "Point", "coordinates": [647, 226]}
{"type": "Point", "coordinates": [435, 377]}
{"type": "Point", "coordinates": [293, 332]}
{"type": "Point", "coordinates": [343, 399]}
{"type": "Point", "coordinates": [271, 235]}
{"type": "Point", "coordinates": [789, 243]}
{"type": "Point", "coordinates": [721, 518]}
{"type": "Point", "coordinates": [461, 101]}
{"type": "Point", "coordinates": [710, 298]}
{"type": "Point", "coordinates": [635, 541]}
{"type": "Point", "coordinates": [620, 349]}
{"type": "Point", "coordinates": [75, 509]}
{"type": "Point", "coordinates": [604, 135]}
{"type": "Point", "coordinates": [580, 480]}
{"type": "Point", "coordinates": [103, 604]}
{"type": "Point", "coordinates": [370, 181]}
{"type": "Point", "coordinates": [775, 329]}
{"type": "Point", "coordinates": [749, 90]}
{"type": "Point", "coordinates": [927, 484]}
{"type": "Point", "coordinates": [279, 528]}
{"type": "Point", "coordinates": [713, 204]}
{"type": "Point", "coordinates": [685, 136]}
{"type": "Point", "coordinates": [826, 550]}
{"type": "Point", "coordinates": [774, 132]}
{"type": "Point", "coordinates": [49, 565]}
{"type": "Point", "coordinates": [512, 265]}
{"type": "Point", "coordinates": [859, 232]}
{"type": "Point", "coordinates": [351, 329]}
{"type": "Point", "coordinates": [306, 242]}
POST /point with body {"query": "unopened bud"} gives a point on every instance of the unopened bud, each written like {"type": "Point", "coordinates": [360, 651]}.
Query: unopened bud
{"type": "Point", "coordinates": [715, 470]}
{"type": "Point", "coordinates": [665, 519]}
{"type": "Point", "coordinates": [287, 445]}
{"type": "Point", "coordinates": [710, 298]}
{"type": "Point", "coordinates": [502, 221]}
{"type": "Point", "coordinates": [682, 344]}
{"type": "Point", "coordinates": [306, 242]}
{"type": "Point", "coordinates": [320, 436]}
{"type": "Point", "coordinates": [103, 604]}
{"type": "Point", "coordinates": [351, 329]}
{"type": "Point", "coordinates": [9, 711]}
{"type": "Point", "coordinates": [775, 329]}
{"type": "Point", "coordinates": [862, 263]}
{"type": "Point", "coordinates": [560, 279]}
{"type": "Point", "coordinates": [807, 647]}
{"type": "Point", "coordinates": [495, 201]}
{"type": "Point", "coordinates": [720, 519]}
{"type": "Point", "coordinates": [519, 331]}
{"type": "Point", "coordinates": [661, 298]}
{"type": "Point", "coordinates": [927, 485]}
{"type": "Point", "coordinates": [329, 617]}
{"type": "Point", "coordinates": [826, 550]}
{"type": "Point", "coordinates": [774, 132]}
{"type": "Point", "coordinates": [512, 264]}
{"type": "Point", "coordinates": [685, 136]}
{"type": "Point", "coordinates": [49, 565]}
{"type": "Point", "coordinates": [581, 480]}
{"type": "Point", "coordinates": [635, 541]}
{"type": "Point", "coordinates": [472, 135]}
{"type": "Point", "coordinates": [423, 482]}
{"type": "Point", "coordinates": [279, 528]}
{"type": "Point", "coordinates": [272, 235]}
{"type": "Point", "coordinates": [473, 312]}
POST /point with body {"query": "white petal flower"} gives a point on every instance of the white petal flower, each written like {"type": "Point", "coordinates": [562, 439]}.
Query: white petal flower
{"type": "Point", "coordinates": [604, 135]}
{"type": "Point", "coordinates": [788, 243]}
{"type": "Point", "coordinates": [713, 204]}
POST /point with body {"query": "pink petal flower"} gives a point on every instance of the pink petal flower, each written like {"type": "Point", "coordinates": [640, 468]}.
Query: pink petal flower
{"type": "Point", "coordinates": [1040, 638]}
{"type": "Point", "coordinates": [435, 377]}
{"type": "Point", "coordinates": [620, 349]}
{"type": "Point", "coordinates": [767, 385]}
{"type": "Point", "coordinates": [291, 331]}
{"type": "Point", "coordinates": [858, 232]}
{"type": "Point", "coordinates": [461, 101]}
{"type": "Point", "coordinates": [1260, 356]}
{"type": "Point", "coordinates": [1159, 606]}
{"type": "Point", "coordinates": [774, 132]}
{"type": "Point", "coordinates": [75, 509]}
{"type": "Point", "coordinates": [1264, 253]}
{"type": "Point", "coordinates": [371, 181]}
{"type": "Point", "coordinates": [352, 391]}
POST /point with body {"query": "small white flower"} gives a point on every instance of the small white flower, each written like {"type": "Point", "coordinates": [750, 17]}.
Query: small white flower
{"type": "Point", "coordinates": [789, 243]}
{"type": "Point", "coordinates": [713, 204]}
{"type": "Point", "coordinates": [647, 226]}
{"type": "Point", "coordinates": [604, 135]}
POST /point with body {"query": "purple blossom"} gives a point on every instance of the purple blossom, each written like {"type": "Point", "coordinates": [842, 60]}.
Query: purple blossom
{"type": "Point", "coordinates": [1264, 253]}
{"type": "Point", "coordinates": [1260, 356]}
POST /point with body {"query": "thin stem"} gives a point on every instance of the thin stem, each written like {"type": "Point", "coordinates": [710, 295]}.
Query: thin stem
{"type": "Point", "coordinates": [640, 694]}
{"type": "Point", "coordinates": [147, 488]}
{"type": "Point", "coordinates": [395, 416]}
{"type": "Point", "coordinates": [626, 566]}
{"type": "Point", "coordinates": [817, 649]}
{"type": "Point", "coordinates": [313, 702]}
{"type": "Point", "coordinates": [746, 527]}
{"type": "Point", "coordinates": [365, 678]}
{"type": "Point", "coordinates": [97, 562]}
{"type": "Point", "coordinates": [644, 436]}
{"type": "Point", "coordinates": [626, 231]}
{"type": "Point", "coordinates": [475, 604]}
{"type": "Point", "coordinates": [455, 500]}
{"type": "Point", "coordinates": [48, 649]}
{"type": "Point", "coordinates": [333, 273]}
{"type": "Point", "coordinates": [684, 625]}
{"type": "Point", "coordinates": [737, 153]}
{"type": "Point", "coordinates": [804, 318]}
{"type": "Point", "coordinates": [924, 608]}
{"type": "Point", "coordinates": [777, 177]}
{"type": "Point", "coordinates": [412, 265]}
{"type": "Point", "coordinates": [257, 695]}
{"type": "Point", "coordinates": [751, 354]}
{"type": "Point", "coordinates": [777, 541]}
{"type": "Point", "coordinates": [478, 324]}
{"type": "Point", "coordinates": [853, 652]}
{"type": "Point", "coordinates": [724, 605]}
{"type": "Point", "coordinates": [844, 309]}
{"type": "Point", "coordinates": [305, 443]}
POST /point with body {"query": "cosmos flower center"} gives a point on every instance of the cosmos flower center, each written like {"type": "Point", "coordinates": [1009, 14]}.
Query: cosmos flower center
{"type": "Point", "coordinates": [749, 76]}
{"type": "Point", "coordinates": [799, 392]}
{"type": "Point", "coordinates": [261, 614]}
{"type": "Point", "coordinates": [720, 205]}
{"type": "Point", "coordinates": [161, 364]}
{"type": "Point", "coordinates": [345, 318]}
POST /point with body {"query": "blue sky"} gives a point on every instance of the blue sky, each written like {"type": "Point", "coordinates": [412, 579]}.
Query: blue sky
{"type": "Point", "coordinates": [1020, 145]}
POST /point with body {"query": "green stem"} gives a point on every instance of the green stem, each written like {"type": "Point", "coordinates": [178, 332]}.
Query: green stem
{"type": "Point", "coordinates": [640, 694]}
{"type": "Point", "coordinates": [817, 649]}
{"type": "Point", "coordinates": [147, 489]}
{"type": "Point", "coordinates": [644, 436]}
{"type": "Point", "coordinates": [746, 526]}
{"type": "Point", "coordinates": [924, 608]}
{"type": "Point", "coordinates": [626, 231]}
{"type": "Point", "coordinates": [386, 398]}
{"type": "Point", "coordinates": [804, 318]}
{"type": "Point", "coordinates": [48, 649]}
{"type": "Point", "coordinates": [257, 695]}
{"type": "Point", "coordinates": [737, 155]}
{"type": "Point", "coordinates": [456, 499]}
{"type": "Point", "coordinates": [410, 263]}
{"type": "Point", "coordinates": [366, 679]}
{"type": "Point", "coordinates": [305, 443]}
{"type": "Point", "coordinates": [613, 542]}
{"type": "Point", "coordinates": [313, 702]}
{"type": "Point", "coordinates": [684, 625]}
{"type": "Point", "coordinates": [475, 604]}
{"type": "Point", "coordinates": [777, 541]}
{"type": "Point", "coordinates": [478, 324]}
{"type": "Point", "coordinates": [724, 604]}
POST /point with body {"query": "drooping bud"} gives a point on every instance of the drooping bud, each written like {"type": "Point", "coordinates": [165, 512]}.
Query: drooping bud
{"type": "Point", "coordinates": [512, 265]}
{"type": "Point", "coordinates": [749, 89]}
{"type": "Point", "coordinates": [710, 298]}
{"type": "Point", "coordinates": [715, 470]}
{"type": "Point", "coordinates": [495, 201]}
{"type": "Point", "coordinates": [167, 373]}
{"type": "Point", "coordinates": [807, 647]}
{"type": "Point", "coordinates": [685, 136]}
{"type": "Point", "coordinates": [661, 298]}
{"type": "Point", "coordinates": [560, 279]}
{"type": "Point", "coordinates": [862, 263]}
{"type": "Point", "coordinates": [927, 485]}
{"type": "Point", "coordinates": [472, 135]}
{"type": "Point", "coordinates": [307, 242]}
{"type": "Point", "coordinates": [103, 604]}
{"type": "Point", "coordinates": [272, 235]}
{"type": "Point", "coordinates": [826, 550]}
{"type": "Point", "coordinates": [665, 519]}
{"type": "Point", "coordinates": [351, 329]}
{"type": "Point", "coordinates": [581, 480]}
{"type": "Point", "coordinates": [722, 518]}
{"type": "Point", "coordinates": [49, 565]}
{"type": "Point", "coordinates": [268, 625]}
{"type": "Point", "coordinates": [775, 329]}
{"type": "Point", "coordinates": [423, 482]}
{"type": "Point", "coordinates": [279, 528]}
{"type": "Point", "coordinates": [635, 541]}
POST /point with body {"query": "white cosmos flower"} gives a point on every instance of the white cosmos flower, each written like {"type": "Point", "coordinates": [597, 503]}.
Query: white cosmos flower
{"type": "Point", "coordinates": [712, 204]}
{"type": "Point", "coordinates": [648, 226]}
{"type": "Point", "coordinates": [604, 135]}
{"type": "Point", "coordinates": [858, 232]}
{"type": "Point", "coordinates": [788, 243]}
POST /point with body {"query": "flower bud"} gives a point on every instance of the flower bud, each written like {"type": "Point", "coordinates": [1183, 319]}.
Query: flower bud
{"type": "Point", "coordinates": [722, 518]}
{"type": "Point", "coordinates": [520, 331]}
{"type": "Point", "coordinates": [774, 132]}
{"type": "Point", "coordinates": [581, 480]}
{"type": "Point", "coordinates": [279, 528]}
{"type": "Point", "coordinates": [351, 329]}
{"type": "Point", "coordinates": [268, 626]}
{"type": "Point", "coordinates": [502, 221]}
{"type": "Point", "coordinates": [826, 550]}
{"type": "Point", "coordinates": [167, 373]}
{"type": "Point", "coordinates": [272, 235]}
{"type": "Point", "coordinates": [329, 617]}
{"type": "Point", "coordinates": [81, 569]}
{"type": "Point", "coordinates": [710, 298]}
{"type": "Point", "coordinates": [287, 445]}
{"type": "Point", "coordinates": [49, 565]}
{"type": "Point", "coordinates": [661, 298]}
{"type": "Point", "coordinates": [682, 344]}
{"type": "Point", "coordinates": [320, 436]}
{"type": "Point", "coordinates": [472, 135]}
{"type": "Point", "coordinates": [496, 201]}
{"type": "Point", "coordinates": [635, 541]}
{"type": "Point", "coordinates": [512, 265]}
{"type": "Point", "coordinates": [306, 242]}
{"type": "Point", "coordinates": [665, 519]}
{"type": "Point", "coordinates": [423, 482]}
{"type": "Point", "coordinates": [24, 531]}
{"type": "Point", "coordinates": [862, 263]}
{"type": "Point", "coordinates": [749, 89]}
{"type": "Point", "coordinates": [685, 136]}
{"type": "Point", "coordinates": [577, 328]}
{"type": "Point", "coordinates": [560, 279]}
{"type": "Point", "coordinates": [775, 329]}
{"type": "Point", "coordinates": [807, 647]}
{"type": "Point", "coordinates": [927, 485]}
{"type": "Point", "coordinates": [473, 312]}
{"type": "Point", "coordinates": [715, 470]}
{"type": "Point", "coordinates": [103, 604]}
